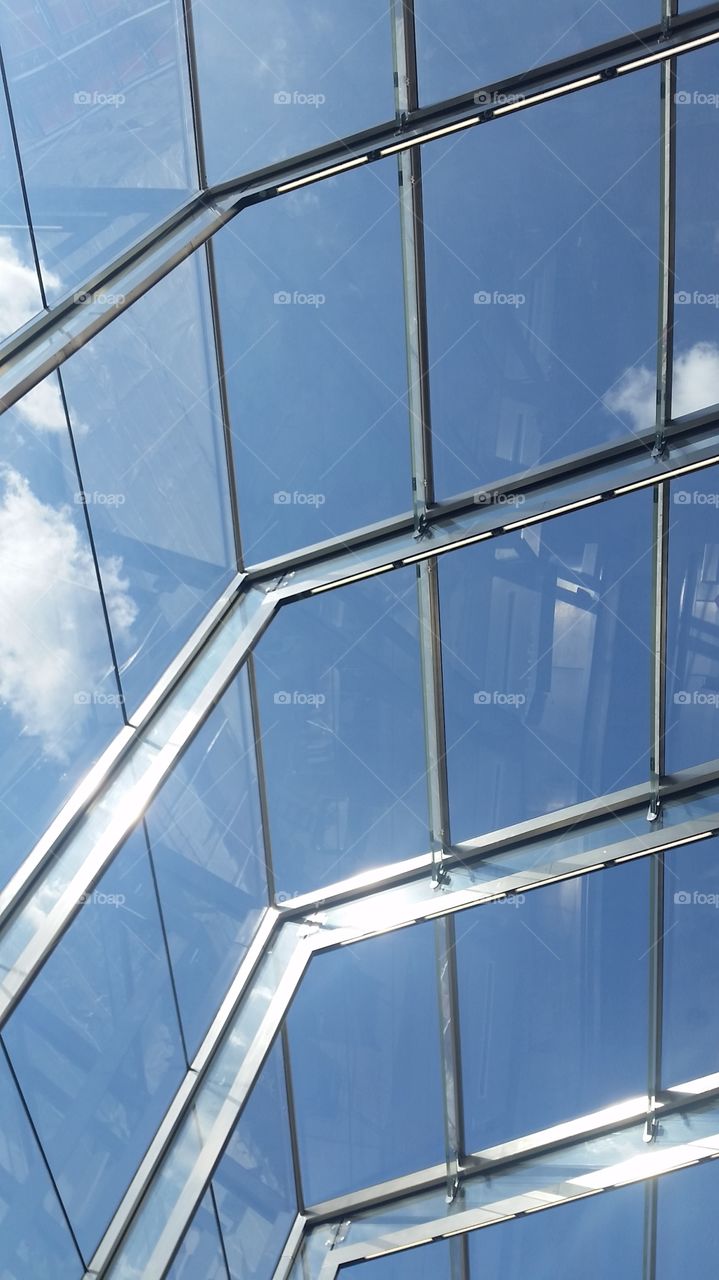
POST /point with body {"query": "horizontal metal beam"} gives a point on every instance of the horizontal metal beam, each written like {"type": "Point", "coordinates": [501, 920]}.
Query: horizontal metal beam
{"type": "Point", "coordinates": [47, 341]}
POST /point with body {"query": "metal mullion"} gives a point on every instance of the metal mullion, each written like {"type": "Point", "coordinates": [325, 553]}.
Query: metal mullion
{"type": "Point", "coordinates": [21, 180]}
{"type": "Point", "coordinates": [220, 1232]}
{"type": "Point", "coordinates": [459, 1257]}
{"type": "Point", "coordinates": [446, 960]}
{"type": "Point", "coordinates": [292, 1114]}
{"type": "Point", "coordinates": [649, 1258]}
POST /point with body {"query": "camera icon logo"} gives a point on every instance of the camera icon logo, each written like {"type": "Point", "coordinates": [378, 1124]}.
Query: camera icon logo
{"type": "Point", "coordinates": [282, 699]}
{"type": "Point", "coordinates": [682, 898]}
{"type": "Point", "coordinates": [82, 698]}
{"type": "Point", "coordinates": [682, 98]}
{"type": "Point", "coordinates": [82, 98]}
{"type": "Point", "coordinates": [282, 298]}
{"type": "Point", "coordinates": [682, 698]}
{"type": "Point", "coordinates": [682, 497]}
{"type": "Point", "coordinates": [482, 698]}
{"type": "Point", "coordinates": [282, 98]}
{"type": "Point", "coordinates": [682, 297]}
{"type": "Point", "coordinates": [482, 298]}
{"type": "Point", "coordinates": [482, 98]}
{"type": "Point", "coordinates": [281, 498]}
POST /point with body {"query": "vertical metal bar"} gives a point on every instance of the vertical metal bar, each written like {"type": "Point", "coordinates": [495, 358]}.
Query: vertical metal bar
{"type": "Point", "coordinates": [433, 699]}
{"type": "Point", "coordinates": [294, 1140]}
{"type": "Point", "coordinates": [459, 1258]}
{"type": "Point", "coordinates": [649, 1265]}
{"type": "Point", "coordinates": [665, 349]}
{"type": "Point", "coordinates": [22, 182]}
{"type": "Point", "coordinates": [445, 949]}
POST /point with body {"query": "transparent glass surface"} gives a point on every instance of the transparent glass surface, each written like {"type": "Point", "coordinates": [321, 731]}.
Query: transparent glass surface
{"type": "Point", "coordinates": [96, 1046]}
{"type": "Point", "coordinates": [144, 407]}
{"type": "Point", "coordinates": [545, 640]}
{"type": "Point", "coordinates": [687, 1226]}
{"type": "Point", "coordinates": [339, 689]}
{"type": "Point", "coordinates": [691, 962]}
{"type": "Point", "coordinates": [692, 718]}
{"type": "Point", "coordinates": [59, 701]}
{"type": "Point", "coordinates": [200, 1256]}
{"type": "Point", "coordinates": [99, 94]}
{"type": "Point", "coordinates": [595, 1238]}
{"type": "Point", "coordinates": [20, 296]}
{"type": "Point", "coordinates": [552, 1001]}
{"type": "Point", "coordinates": [206, 839]}
{"type": "Point", "coordinates": [362, 1015]}
{"type": "Point", "coordinates": [254, 1183]}
{"type": "Point", "coordinates": [432, 1262]}
{"type": "Point", "coordinates": [543, 296]}
{"type": "Point", "coordinates": [289, 78]}
{"type": "Point", "coordinates": [696, 284]}
{"type": "Point", "coordinates": [34, 1237]}
{"type": "Point", "coordinates": [311, 304]}
{"type": "Point", "coordinates": [461, 46]}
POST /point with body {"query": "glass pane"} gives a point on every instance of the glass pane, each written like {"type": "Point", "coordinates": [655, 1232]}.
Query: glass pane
{"type": "Point", "coordinates": [310, 290]}
{"type": "Point", "coordinates": [34, 1238]}
{"type": "Point", "coordinates": [59, 699]}
{"type": "Point", "coordinates": [364, 1048]}
{"type": "Point", "coordinates": [200, 1256]}
{"type": "Point", "coordinates": [342, 732]}
{"type": "Point", "coordinates": [696, 298]}
{"type": "Point", "coordinates": [100, 100]}
{"type": "Point", "coordinates": [543, 299]}
{"type": "Point", "coordinates": [595, 1238]}
{"type": "Point", "coordinates": [144, 407]}
{"type": "Point", "coordinates": [432, 1262]}
{"type": "Point", "coordinates": [687, 1225]}
{"type": "Point", "coordinates": [254, 1183]}
{"type": "Point", "coordinates": [96, 1046]}
{"type": "Point", "coordinates": [545, 638]}
{"type": "Point", "coordinates": [289, 78]}
{"type": "Point", "coordinates": [692, 728]}
{"type": "Point", "coordinates": [691, 963]}
{"type": "Point", "coordinates": [461, 45]}
{"type": "Point", "coordinates": [553, 995]}
{"type": "Point", "coordinates": [206, 838]}
{"type": "Point", "coordinates": [19, 289]}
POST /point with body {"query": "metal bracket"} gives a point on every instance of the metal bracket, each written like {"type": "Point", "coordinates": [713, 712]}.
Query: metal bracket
{"type": "Point", "coordinates": [651, 1127]}
{"type": "Point", "coordinates": [661, 448]}
{"type": "Point", "coordinates": [655, 809]}
{"type": "Point", "coordinates": [422, 529]}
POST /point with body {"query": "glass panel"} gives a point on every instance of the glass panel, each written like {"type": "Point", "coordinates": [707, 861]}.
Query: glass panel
{"type": "Point", "coordinates": [461, 45]}
{"type": "Point", "coordinates": [553, 995]}
{"type": "Point", "coordinates": [144, 407]}
{"type": "Point", "coordinates": [691, 963]}
{"type": "Point", "coordinates": [696, 298]}
{"type": "Point", "coordinates": [59, 700]}
{"type": "Point", "coordinates": [254, 1183]}
{"type": "Point", "coordinates": [364, 1048]}
{"type": "Point", "coordinates": [206, 838]}
{"type": "Point", "coordinates": [310, 290]}
{"type": "Point", "coordinates": [19, 289]}
{"type": "Point", "coordinates": [34, 1238]}
{"type": "Point", "coordinates": [342, 732]}
{"type": "Point", "coordinates": [545, 636]}
{"type": "Point", "coordinates": [432, 1262]}
{"type": "Point", "coordinates": [543, 299]}
{"type": "Point", "coordinates": [289, 78]}
{"type": "Point", "coordinates": [687, 1225]}
{"type": "Point", "coordinates": [200, 1256]}
{"type": "Point", "coordinates": [692, 728]}
{"type": "Point", "coordinates": [100, 100]}
{"type": "Point", "coordinates": [595, 1238]}
{"type": "Point", "coordinates": [96, 1046]}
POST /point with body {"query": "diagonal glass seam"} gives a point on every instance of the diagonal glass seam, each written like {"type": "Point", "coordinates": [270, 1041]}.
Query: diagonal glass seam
{"type": "Point", "coordinates": [45, 343]}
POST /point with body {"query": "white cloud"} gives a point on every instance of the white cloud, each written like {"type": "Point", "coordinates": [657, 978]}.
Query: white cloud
{"type": "Point", "coordinates": [696, 386]}
{"type": "Point", "coordinates": [19, 292]}
{"type": "Point", "coordinates": [52, 644]}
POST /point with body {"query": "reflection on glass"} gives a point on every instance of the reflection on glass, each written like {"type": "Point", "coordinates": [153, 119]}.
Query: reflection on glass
{"type": "Point", "coordinates": [311, 304]}
{"type": "Point", "coordinates": [254, 1183]}
{"type": "Point", "coordinates": [595, 1238]}
{"type": "Point", "coordinates": [696, 297]}
{"type": "Point", "coordinates": [692, 720]}
{"type": "Point", "coordinates": [96, 1046]}
{"type": "Point", "coordinates": [362, 1015]}
{"type": "Point", "coordinates": [206, 838]}
{"type": "Point", "coordinates": [200, 1255]}
{"type": "Point", "coordinates": [552, 998]}
{"type": "Point", "coordinates": [431, 1262]}
{"type": "Point", "coordinates": [19, 290]}
{"type": "Point", "coordinates": [59, 700]}
{"type": "Point", "coordinates": [101, 107]}
{"type": "Point", "coordinates": [545, 636]}
{"type": "Point", "coordinates": [342, 734]}
{"type": "Point", "coordinates": [691, 963]}
{"type": "Point", "coordinates": [34, 1238]}
{"type": "Point", "coordinates": [290, 78]}
{"type": "Point", "coordinates": [687, 1225]}
{"type": "Point", "coordinates": [461, 45]}
{"type": "Point", "coordinates": [543, 298]}
{"type": "Point", "coordinates": [144, 407]}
